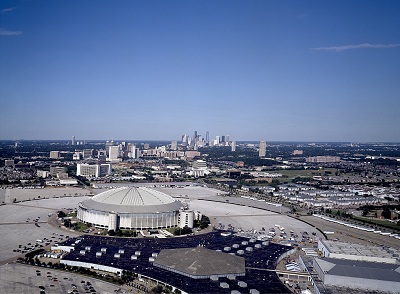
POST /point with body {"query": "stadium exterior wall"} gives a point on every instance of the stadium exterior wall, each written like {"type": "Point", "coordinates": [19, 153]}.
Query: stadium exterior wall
{"type": "Point", "coordinates": [128, 220]}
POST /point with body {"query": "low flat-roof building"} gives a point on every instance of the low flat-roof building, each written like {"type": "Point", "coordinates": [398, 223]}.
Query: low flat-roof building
{"type": "Point", "coordinates": [358, 274]}
{"type": "Point", "coordinates": [352, 251]}
{"type": "Point", "coordinates": [200, 263]}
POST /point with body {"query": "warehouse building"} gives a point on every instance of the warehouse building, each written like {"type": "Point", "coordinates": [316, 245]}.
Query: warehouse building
{"type": "Point", "coordinates": [352, 251]}
{"type": "Point", "coordinates": [363, 275]}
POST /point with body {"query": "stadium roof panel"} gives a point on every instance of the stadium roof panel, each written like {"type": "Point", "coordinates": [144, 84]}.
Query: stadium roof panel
{"type": "Point", "coordinates": [132, 200]}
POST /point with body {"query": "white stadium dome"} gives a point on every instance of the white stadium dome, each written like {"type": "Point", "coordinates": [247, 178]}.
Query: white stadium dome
{"type": "Point", "coordinates": [131, 208]}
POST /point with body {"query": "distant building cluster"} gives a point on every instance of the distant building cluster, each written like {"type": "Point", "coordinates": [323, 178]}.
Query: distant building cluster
{"type": "Point", "coordinates": [198, 140]}
{"type": "Point", "coordinates": [323, 159]}
{"type": "Point", "coordinates": [314, 198]}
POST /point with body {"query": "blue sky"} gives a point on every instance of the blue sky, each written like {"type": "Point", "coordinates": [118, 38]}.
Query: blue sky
{"type": "Point", "coordinates": [256, 70]}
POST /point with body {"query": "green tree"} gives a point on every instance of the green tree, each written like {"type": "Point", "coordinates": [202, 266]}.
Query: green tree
{"type": "Point", "coordinates": [67, 223]}
{"type": "Point", "coordinates": [157, 289]}
{"type": "Point", "coordinates": [205, 222]}
{"type": "Point", "coordinates": [61, 214]}
{"type": "Point", "coordinates": [386, 213]}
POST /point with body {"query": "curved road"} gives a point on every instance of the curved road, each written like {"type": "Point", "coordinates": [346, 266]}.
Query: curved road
{"type": "Point", "coordinates": [347, 234]}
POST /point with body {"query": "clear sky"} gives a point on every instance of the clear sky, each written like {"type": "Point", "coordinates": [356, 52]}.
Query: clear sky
{"type": "Point", "coordinates": [256, 70]}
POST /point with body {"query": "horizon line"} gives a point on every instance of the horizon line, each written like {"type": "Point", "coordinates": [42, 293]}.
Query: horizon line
{"type": "Point", "coordinates": [169, 140]}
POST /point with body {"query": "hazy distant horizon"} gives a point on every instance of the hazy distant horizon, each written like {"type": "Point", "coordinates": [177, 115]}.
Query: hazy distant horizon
{"type": "Point", "coordinates": [88, 141]}
{"type": "Point", "coordinates": [268, 70]}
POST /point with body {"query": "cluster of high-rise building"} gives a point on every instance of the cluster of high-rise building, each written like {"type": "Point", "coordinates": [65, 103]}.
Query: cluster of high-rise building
{"type": "Point", "coordinates": [115, 152]}
{"type": "Point", "coordinates": [198, 140]}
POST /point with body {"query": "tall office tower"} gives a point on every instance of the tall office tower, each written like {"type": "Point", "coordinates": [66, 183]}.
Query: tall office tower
{"type": "Point", "coordinates": [195, 139]}
{"type": "Point", "coordinates": [207, 137]}
{"type": "Point", "coordinates": [113, 152]}
{"type": "Point", "coordinates": [233, 146]}
{"type": "Point", "coordinates": [263, 149]}
{"type": "Point", "coordinates": [223, 139]}
{"type": "Point", "coordinates": [108, 145]}
{"type": "Point", "coordinates": [217, 139]}
{"type": "Point", "coordinates": [174, 145]}
{"type": "Point", "coordinates": [185, 139]}
{"type": "Point", "coordinates": [73, 140]}
{"type": "Point", "coordinates": [132, 151]}
{"type": "Point", "coordinates": [227, 138]}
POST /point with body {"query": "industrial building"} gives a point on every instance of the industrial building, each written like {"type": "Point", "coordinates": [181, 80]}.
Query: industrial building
{"type": "Point", "coordinates": [358, 274]}
{"type": "Point", "coordinates": [322, 159]}
{"type": "Point", "coordinates": [353, 268]}
{"type": "Point", "coordinates": [352, 251]}
{"type": "Point", "coordinates": [134, 208]}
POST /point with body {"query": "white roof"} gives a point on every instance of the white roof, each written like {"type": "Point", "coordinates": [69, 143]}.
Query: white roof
{"type": "Point", "coordinates": [132, 200]}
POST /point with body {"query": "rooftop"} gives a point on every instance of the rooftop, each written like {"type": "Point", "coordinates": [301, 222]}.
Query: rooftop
{"type": "Point", "coordinates": [132, 200]}
{"type": "Point", "coordinates": [338, 247]}
{"type": "Point", "coordinates": [200, 261]}
{"type": "Point", "coordinates": [360, 269]}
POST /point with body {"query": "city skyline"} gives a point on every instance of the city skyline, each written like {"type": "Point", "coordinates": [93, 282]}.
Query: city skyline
{"type": "Point", "coordinates": [257, 70]}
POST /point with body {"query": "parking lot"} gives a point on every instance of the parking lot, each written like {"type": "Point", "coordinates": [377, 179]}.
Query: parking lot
{"type": "Point", "coordinates": [261, 258]}
{"type": "Point", "coordinates": [26, 222]}
{"type": "Point", "coordinates": [239, 217]}
{"type": "Point", "coordinates": [20, 278]}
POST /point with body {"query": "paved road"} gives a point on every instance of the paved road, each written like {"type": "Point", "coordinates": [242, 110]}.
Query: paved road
{"type": "Point", "coordinates": [344, 233]}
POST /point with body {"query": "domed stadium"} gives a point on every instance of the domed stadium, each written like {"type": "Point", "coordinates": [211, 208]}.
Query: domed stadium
{"type": "Point", "coordinates": [132, 208]}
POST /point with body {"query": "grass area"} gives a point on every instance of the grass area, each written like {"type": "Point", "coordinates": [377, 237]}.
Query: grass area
{"type": "Point", "coordinates": [380, 222]}
{"type": "Point", "coordinates": [80, 227]}
{"type": "Point", "coordinates": [305, 173]}
{"type": "Point", "coordinates": [171, 230]}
